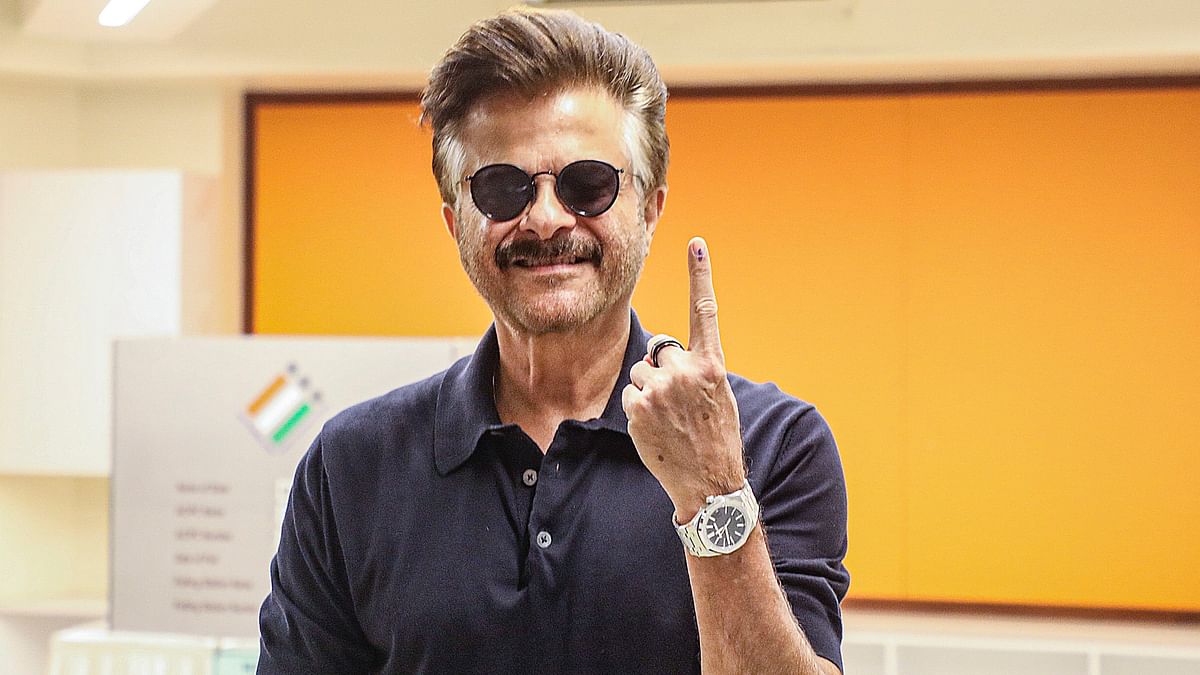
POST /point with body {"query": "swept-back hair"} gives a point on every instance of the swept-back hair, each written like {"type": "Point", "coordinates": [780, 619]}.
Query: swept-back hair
{"type": "Point", "coordinates": [526, 52]}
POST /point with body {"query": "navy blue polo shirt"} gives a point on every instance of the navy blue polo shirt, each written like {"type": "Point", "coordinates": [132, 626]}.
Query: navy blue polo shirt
{"type": "Point", "coordinates": [425, 536]}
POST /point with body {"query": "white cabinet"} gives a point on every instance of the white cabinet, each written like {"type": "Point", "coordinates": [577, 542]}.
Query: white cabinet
{"type": "Point", "coordinates": [86, 257]}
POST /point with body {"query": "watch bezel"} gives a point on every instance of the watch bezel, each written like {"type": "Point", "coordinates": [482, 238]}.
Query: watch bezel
{"type": "Point", "coordinates": [697, 543]}
{"type": "Point", "coordinates": [709, 511]}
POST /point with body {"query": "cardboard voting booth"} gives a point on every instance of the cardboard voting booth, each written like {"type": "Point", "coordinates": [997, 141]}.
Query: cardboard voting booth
{"type": "Point", "coordinates": [207, 433]}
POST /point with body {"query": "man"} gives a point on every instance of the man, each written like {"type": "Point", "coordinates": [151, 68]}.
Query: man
{"type": "Point", "coordinates": [575, 496]}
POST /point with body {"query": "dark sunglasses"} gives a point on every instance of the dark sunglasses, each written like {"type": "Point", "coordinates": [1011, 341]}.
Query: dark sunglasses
{"type": "Point", "coordinates": [587, 187]}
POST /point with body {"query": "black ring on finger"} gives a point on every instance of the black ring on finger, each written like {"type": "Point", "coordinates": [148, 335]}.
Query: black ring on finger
{"type": "Point", "coordinates": [671, 342]}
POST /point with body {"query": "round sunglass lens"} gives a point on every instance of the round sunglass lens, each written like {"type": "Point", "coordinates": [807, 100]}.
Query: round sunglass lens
{"type": "Point", "coordinates": [501, 191]}
{"type": "Point", "coordinates": [588, 187]}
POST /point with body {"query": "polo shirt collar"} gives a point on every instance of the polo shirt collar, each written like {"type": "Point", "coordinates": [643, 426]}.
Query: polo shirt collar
{"type": "Point", "coordinates": [466, 409]}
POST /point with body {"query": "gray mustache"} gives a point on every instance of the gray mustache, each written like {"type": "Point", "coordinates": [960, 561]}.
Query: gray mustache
{"type": "Point", "coordinates": [535, 251]}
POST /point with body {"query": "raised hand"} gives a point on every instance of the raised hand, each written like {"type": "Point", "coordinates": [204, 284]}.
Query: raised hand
{"type": "Point", "coordinates": [683, 417]}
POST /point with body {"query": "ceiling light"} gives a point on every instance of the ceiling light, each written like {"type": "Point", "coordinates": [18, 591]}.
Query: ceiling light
{"type": "Point", "coordinates": [120, 12]}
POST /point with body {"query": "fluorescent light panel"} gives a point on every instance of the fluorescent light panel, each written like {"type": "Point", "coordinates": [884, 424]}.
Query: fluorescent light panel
{"type": "Point", "coordinates": [120, 12]}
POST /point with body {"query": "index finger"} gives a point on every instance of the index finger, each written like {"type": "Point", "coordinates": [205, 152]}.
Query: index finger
{"type": "Point", "coordinates": [704, 336]}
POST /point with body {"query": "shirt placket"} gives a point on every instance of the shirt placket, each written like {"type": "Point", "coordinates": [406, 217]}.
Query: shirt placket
{"type": "Point", "coordinates": [549, 539]}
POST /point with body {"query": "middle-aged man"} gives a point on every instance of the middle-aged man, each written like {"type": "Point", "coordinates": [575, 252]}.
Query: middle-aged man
{"type": "Point", "coordinates": [576, 496]}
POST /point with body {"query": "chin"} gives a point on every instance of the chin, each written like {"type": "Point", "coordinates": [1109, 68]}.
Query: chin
{"type": "Point", "coordinates": [555, 312]}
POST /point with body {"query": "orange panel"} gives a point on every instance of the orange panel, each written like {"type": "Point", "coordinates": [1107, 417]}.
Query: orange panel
{"type": "Point", "coordinates": [1054, 322]}
{"type": "Point", "coordinates": [349, 238]}
{"type": "Point", "coordinates": [994, 300]}
{"type": "Point", "coordinates": [796, 197]}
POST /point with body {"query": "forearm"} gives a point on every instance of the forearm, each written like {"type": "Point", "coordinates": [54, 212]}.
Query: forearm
{"type": "Point", "coordinates": [746, 624]}
{"type": "Point", "coordinates": [685, 424]}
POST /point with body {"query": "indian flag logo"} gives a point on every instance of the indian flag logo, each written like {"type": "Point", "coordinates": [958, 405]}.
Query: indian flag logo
{"type": "Point", "coordinates": [281, 409]}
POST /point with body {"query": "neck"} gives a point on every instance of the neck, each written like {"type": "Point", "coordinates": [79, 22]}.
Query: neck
{"type": "Point", "coordinates": [545, 379]}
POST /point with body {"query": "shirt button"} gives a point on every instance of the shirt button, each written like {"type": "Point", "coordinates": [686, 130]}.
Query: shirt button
{"type": "Point", "coordinates": [543, 539]}
{"type": "Point", "coordinates": [529, 477]}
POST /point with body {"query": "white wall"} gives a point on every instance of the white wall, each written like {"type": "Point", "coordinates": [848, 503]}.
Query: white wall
{"type": "Point", "coordinates": [394, 43]}
{"type": "Point", "coordinates": [54, 529]}
{"type": "Point", "coordinates": [178, 127]}
{"type": "Point", "coordinates": [39, 125]}
{"type": "Point", "coordinates": [54, 554]}
{"type": "Point", "coordinates": [194, 127]}
{"type": "Point", "coordinates": [53, 125]}
{"type": "Point", "coordinates": [53, 539]}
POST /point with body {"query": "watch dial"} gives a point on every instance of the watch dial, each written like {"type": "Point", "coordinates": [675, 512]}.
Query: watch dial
{"type": "Point", "coordinates": [725, 526]}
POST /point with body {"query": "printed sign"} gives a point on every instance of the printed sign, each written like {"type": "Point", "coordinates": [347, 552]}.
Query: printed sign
{"type": "Point", "coordinates": [196, 502]}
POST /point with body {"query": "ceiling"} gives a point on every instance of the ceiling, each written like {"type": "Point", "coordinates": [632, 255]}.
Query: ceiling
{"type": "Point", "coordinates": [391, 43]}
{"type": "Point", "coordinates": [75, 20]}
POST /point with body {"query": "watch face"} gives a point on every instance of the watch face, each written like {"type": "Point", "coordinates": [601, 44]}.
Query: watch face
{"type": "Point", "coordinates": [725, 526]}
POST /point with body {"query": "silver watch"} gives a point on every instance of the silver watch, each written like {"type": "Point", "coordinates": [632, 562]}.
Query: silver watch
{"type": "Point", "coordinates": [722, 525]}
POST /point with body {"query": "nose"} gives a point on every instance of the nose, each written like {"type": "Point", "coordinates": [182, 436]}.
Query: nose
{"type": "Point", "coordinates": [546, 215]}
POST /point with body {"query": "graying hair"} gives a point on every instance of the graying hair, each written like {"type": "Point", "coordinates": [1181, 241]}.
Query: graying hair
{"type": "Point", "coordinates": [525, 51]}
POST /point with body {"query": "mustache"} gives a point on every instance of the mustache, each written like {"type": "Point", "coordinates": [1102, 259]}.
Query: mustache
{"type": "Point", "coordinates": [535, 251]}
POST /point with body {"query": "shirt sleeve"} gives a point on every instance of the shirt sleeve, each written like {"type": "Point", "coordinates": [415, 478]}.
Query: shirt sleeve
{"type": "Point", "coordinates": [803, 511]}
{"type": "Point", "coordinates": [307, 624]}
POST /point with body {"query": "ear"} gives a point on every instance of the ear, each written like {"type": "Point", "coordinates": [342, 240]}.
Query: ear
{"type": "Point", "coordinates": [448, 218]}
{"type": "Point", "coordinates": [652, 209]}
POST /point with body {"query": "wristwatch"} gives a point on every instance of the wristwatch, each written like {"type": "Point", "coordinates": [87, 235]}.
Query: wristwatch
{"type": "Point", "coordinates": [722, 525]}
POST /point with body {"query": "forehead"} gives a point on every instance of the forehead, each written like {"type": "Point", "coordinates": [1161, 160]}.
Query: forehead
{"type": "Point", "coordinates": [547, 130]}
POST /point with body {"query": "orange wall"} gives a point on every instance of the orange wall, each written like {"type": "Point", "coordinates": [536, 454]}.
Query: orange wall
{"type": "Point", "coordinates": [993, 298]}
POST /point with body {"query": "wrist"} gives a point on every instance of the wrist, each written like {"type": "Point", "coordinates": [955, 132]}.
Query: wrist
{"type": "Point", "coordinates": [722, 526]}
{"type": "Point", "coordinates": [687, 508]}
{"type": "Point", "coordinates": [690, 500]}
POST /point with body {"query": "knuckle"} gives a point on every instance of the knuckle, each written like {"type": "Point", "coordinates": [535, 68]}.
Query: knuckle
{"type": "Point", "coordinates": [678, 382]}
{"type": "Point", "coordinates": [705, 306]}
{"type": "Point", "coordinates": [710, 372]}
{"type": "Point", "coordinates": [639, 410]}
{"type": "Point", "coordinates": [633, 411]}
{"type": "Point", "coordinates": [693, 376]}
